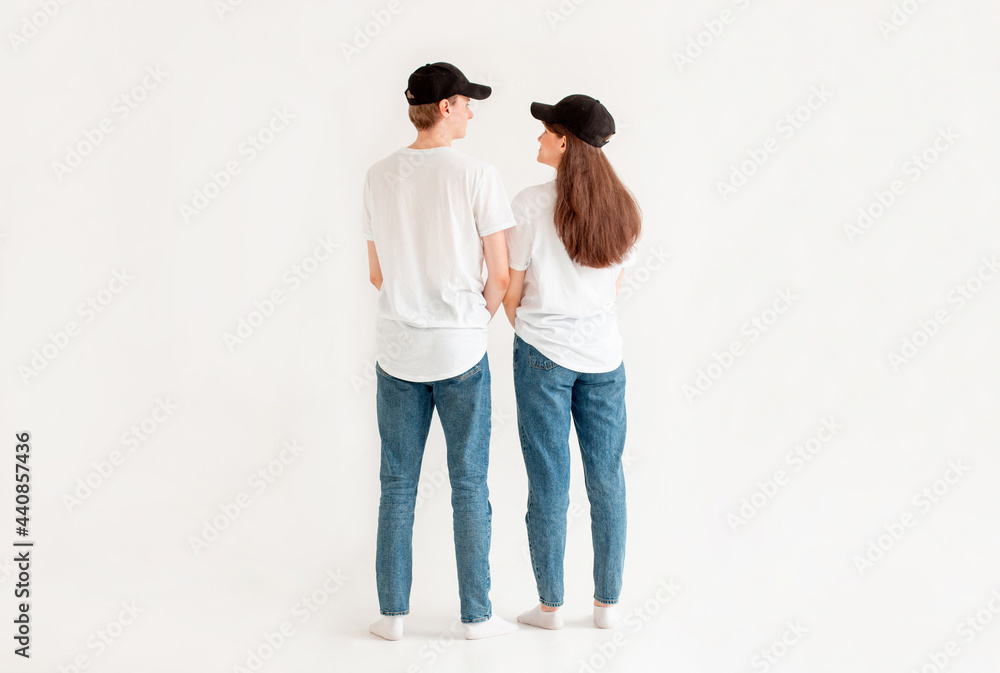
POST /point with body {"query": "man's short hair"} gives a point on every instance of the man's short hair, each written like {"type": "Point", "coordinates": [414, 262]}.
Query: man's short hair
{"type": "Point", "coordinates": [426, 116]}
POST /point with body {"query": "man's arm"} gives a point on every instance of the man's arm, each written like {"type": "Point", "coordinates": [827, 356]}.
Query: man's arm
{"type": "Point", "coordinates": [513, 297]}
{"type": "Point", "coordinates": [497, 276]}
{"type": "Point", "coordinates": [374, 269]}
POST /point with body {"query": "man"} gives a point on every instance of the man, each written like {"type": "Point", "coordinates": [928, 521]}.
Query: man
{"type": "Point", "coordinates": [431, 216]}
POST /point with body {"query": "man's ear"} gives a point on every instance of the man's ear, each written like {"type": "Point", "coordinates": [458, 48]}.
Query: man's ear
{"type": "Point", "coordinates": [444, 107]}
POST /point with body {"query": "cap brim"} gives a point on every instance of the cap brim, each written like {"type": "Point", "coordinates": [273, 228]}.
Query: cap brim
{"type": "Point", "coordinates": [543, 112]}
{"type": "Point", "coordinates": [477, 91]}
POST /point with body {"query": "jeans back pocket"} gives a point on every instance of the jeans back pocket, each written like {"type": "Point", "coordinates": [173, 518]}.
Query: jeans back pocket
{"type": "Point", "coordinates": [539, 361]}
{"type": "Point", "coordinates": [472, 372]}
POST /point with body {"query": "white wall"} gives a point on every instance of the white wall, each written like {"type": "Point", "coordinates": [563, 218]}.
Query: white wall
{"type": "Point", "coordinates": [304, 375]}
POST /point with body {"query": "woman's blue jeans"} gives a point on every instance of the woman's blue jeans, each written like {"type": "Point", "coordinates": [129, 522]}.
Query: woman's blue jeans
{"type": "Point", "coordinates": [548, 395]}
{"type": "Point", "coordinates": [404, 419]}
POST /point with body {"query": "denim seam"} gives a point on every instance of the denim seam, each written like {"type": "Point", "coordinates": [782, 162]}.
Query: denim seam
{"type": "Point", "coordinates": [544, 364]}
{"type": "Point", "coordinates": [471, 372]}
{"type": "Point", "coordinates": [527, 515]}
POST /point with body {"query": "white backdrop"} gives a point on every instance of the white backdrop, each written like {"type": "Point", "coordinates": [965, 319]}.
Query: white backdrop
{"type": "Point", "coordinates": [188, 332]}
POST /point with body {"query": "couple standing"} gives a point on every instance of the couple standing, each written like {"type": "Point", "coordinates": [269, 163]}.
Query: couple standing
{"type": "Point", "coordinates": [555, 258]}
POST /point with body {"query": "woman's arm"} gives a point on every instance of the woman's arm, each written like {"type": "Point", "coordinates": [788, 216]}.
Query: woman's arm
{"type": "Point", "coordinates": [513, 297]}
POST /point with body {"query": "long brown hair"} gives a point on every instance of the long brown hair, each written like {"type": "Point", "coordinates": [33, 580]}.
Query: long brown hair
{"type": "Point", "coordinates": [597, 217]}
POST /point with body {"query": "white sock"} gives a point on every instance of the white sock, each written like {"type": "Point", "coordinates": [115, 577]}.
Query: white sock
{"type": "Point", "coordinates": [537, 617]}
{"type": "Point", "coordinates": [389, 627]}
{"type": "Point", "coordinates": [494, 626]}
{"type": "Point", "coordinates": [606, 617]}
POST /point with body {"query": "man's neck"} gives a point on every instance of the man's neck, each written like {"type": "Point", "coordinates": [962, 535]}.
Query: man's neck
{"type": "Point", "coordinates": [429, 139]}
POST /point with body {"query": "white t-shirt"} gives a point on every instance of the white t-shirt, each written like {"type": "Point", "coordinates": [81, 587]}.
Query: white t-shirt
{"type": "Point", "coordinates": [567, 311]}
{"type": "Point", "coordinates": [426, 210]}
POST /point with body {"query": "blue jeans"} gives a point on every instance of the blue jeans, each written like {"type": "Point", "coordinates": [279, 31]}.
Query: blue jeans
{"type": "Point", "coordinates": [404, 419]}
{"type": "Point", "coordinates": [547, 396]}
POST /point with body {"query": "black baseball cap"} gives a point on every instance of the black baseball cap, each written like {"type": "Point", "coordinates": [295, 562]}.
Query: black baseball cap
{"type": "Point", "coordinates": [586, 117]}
{"type": "Point", "coordinates": [436, 81]}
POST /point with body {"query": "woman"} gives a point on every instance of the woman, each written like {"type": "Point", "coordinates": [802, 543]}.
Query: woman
{"type": "Point", "coordinates": [567, 255]}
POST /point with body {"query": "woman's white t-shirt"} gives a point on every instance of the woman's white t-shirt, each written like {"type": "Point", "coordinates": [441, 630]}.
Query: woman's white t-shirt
{"type": "Point", "coordinates": [568, 311]}
{"type": "Point", "coordinates": [427, 211]}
